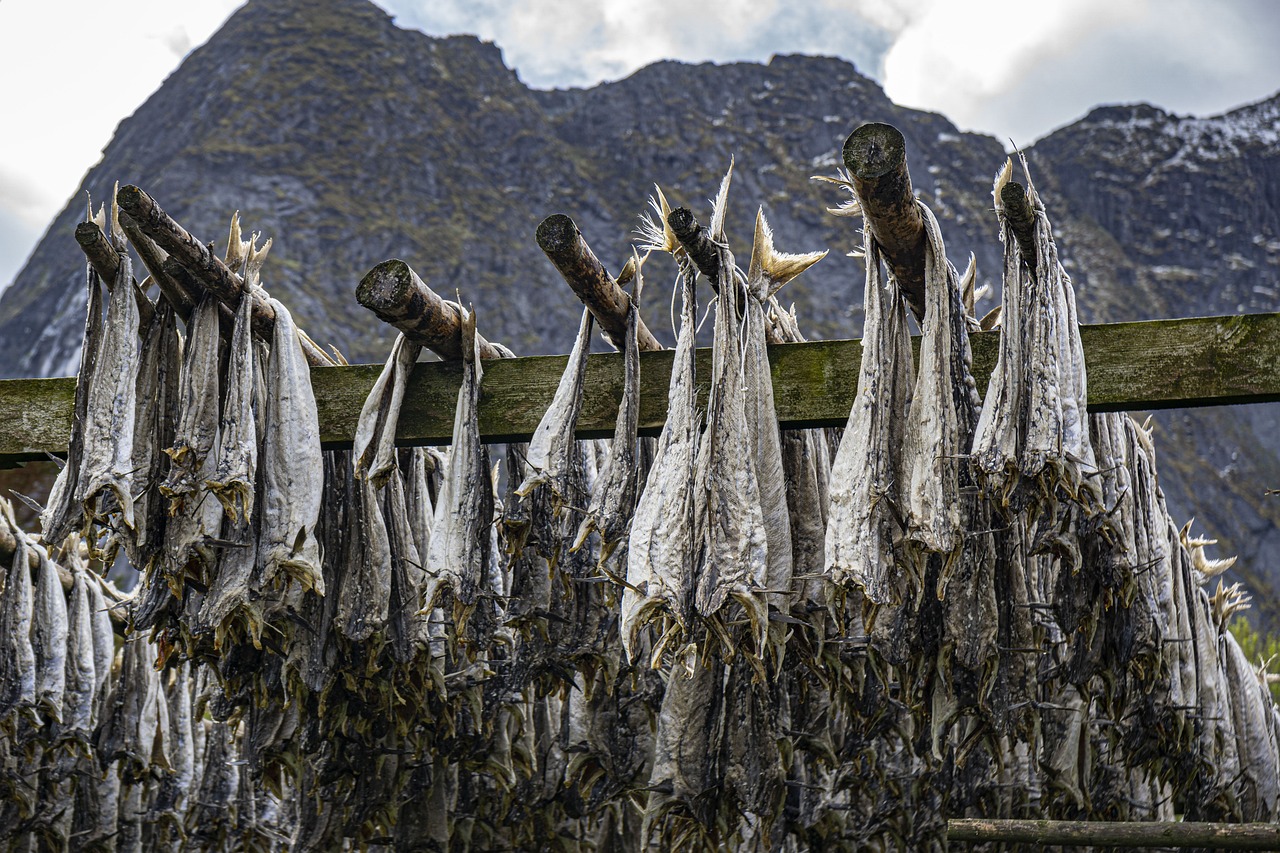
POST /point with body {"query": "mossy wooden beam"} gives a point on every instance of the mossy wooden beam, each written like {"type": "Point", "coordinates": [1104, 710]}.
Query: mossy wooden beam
{"type": "Point", "coordinates": [1211, 361]}
{"type": "Point", "coordinates": [563, 244]}
{"type": "Point", "coordinates": [876, 156]}
{"type": "Point", "coordinates": [1162, 834]}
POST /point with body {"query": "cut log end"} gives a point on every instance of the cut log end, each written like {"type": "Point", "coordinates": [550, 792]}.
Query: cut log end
{"type": "Point", "coordinates": [386, 286]}
{"type": "Point", "coordinates": [558, 235]}
{"type": "Point", "coordinates": [875, 150]}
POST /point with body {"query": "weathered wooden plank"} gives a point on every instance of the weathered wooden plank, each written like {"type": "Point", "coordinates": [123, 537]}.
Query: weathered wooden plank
{"type": "Point", "coordinates": [1217, 836]}
{"type": "Point", "coordinates": [1209, 361]}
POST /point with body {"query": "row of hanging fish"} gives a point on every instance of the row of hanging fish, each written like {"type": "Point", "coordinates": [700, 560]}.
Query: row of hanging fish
{"type": "Point", "coordinates": [725, 636]}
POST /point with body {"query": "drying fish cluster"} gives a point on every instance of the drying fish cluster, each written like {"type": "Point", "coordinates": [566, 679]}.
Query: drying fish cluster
{"type": "Point", "coordinates": [727, 636]}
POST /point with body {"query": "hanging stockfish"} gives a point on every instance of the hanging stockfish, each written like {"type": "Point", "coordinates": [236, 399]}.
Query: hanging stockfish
{"type": "Point", "coordinates": [613, 497]}
{"type": "Point", "coordinates": [735, 555]}
{"type": "Point", "coordinates": [80, 681]}
{"type": "Point", "coordinates": [1033, 424]}
{"type": "Point", "coordinates": [407, 627]}
{"type": "Point", "coordinates": [18, 658]}
{"type": "Point", "coordinates": [767, 272]}
{"type": "Point", "coordinates": [155, 422]}
{"type": "Point", "coordinates": [458, 557]}
{"type": "Point", "coordinates": [944, 407]}
{"type": "Point", "coordinates": [864, 521]}
{"type": "Point", "coordinates": [108, 441]}
{"type": "Point", "coordinates": [49, 631]}
{"type": "Point", "coordinates": [233, 480]}
{"type": "Point", "coordinates": [366, 581]}
{"type": "Point", "coordinates": [136, 720]}
{"type": "Point", "coordinates": [553, 453]}
{"type": "Point", "coordinates": [1256, 748]}
{"type": "Point", "coordinates": [291, 461]}
{"type": "Point", "coordinates": [64, 510]}
{"type": "Point", "coordinates": [195, 516]}
{"type": "Point", "coordinates": [374, 444]}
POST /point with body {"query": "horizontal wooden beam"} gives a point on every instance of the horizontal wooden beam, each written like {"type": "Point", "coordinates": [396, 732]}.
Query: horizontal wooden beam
{"type": "Point", "coordinates": [1163, 834]}
{"type": "Point", "coordinates": [1211, 361]}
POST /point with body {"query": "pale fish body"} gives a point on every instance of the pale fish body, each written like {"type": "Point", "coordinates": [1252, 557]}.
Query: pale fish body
{"type": "Point", "coordinates": [727, 492]}
{"type": "Point", "coordinates": [1255, 733]}
{"type": "Point", "coordinates": [293, 466]}
{"type": "Point", "coordinates": [374, 445]}
{"type": "Point", "coordinates": [64, 510]}
{"type": "Point", "coordinates": [458, 554]}
{"type": "Point", "coordinates": [552, 449]}
{"type": "Point", "coordinates": [49, 631]}
{"type": "Point", "coordinates": [18, 661]}
{"type": "Point", "coordinates": [108, 442]}
{"type": "Point", "coordinates": [234, 477]}
{"type": "Point", "coordinates": [80, 680]}
{"type": "Point", "coordinates": [944, 406]}
{"type": "Point", "coordinates": [660, 545]}
{"type": "Point", "coordinates": [365, 593]}
{"type": "Point", "coordinates": [865, 481]}
{"type": "Point", "coordinates": [196, 434]}
{"type": "Point", "coordinates": [155, 421]}
{"type": "Point", "coordinates": [104, 639]}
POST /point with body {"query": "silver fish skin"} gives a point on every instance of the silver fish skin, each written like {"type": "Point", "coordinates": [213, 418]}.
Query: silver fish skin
{"type": "Point", "coordinates": [407, 582]}
{"type": "Point", "coordinates": [457, 558]}
{"type": "Point", "coordinates": [660, 545]}
{"type": "Point", "coordinates": [292, 463]}
{"type": "Point", "coordinates": [418, 497]}
{"type": "Point", "coordinates": [374, 445]}
{"type": "Point", "coordinates": [155, 421]}
{"type": "Point", "coordinates": [552, 449]}
{"type": "Point", "coordinates": [865, 480]}
{"type": "Point", "coordinates": [49, 630]}
{"type": "Point", "coordinates": [726, 491]}
{"type": "Point", "coordinates": [196, 435]}
{"type": "Point", "coordinates": [614, 495]}
{"type": "Point", "coordinates": [18, 660]}
{"type": "Point", "coordinates": [230, 592]}
{"type": "Point", "coordinates": [944, 405]}
{"type": "Point", "coordinates": [365, 593]}
{"type": "Point", "coordinates": [1255, 733]}
{"type": "Point", "coordinates": [108, 442]}
{"type": "Point", "coordinates": [64, 510]}
{"type": "Point", "coordinates": [80, 680]}
{"type": "Point", "coordinates": [104, 637]}
{"type": "Point", "coordinates": [234, 476]}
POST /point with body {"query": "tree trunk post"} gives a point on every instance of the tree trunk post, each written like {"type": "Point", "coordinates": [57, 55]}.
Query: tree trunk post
{"type": "Point", "coordinates": [876, 156]}
{"type": "Point", "coordinates": [559, 238]}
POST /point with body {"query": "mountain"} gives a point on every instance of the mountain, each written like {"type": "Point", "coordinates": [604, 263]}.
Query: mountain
{"type": "Point", "coordinates": [349, 141]}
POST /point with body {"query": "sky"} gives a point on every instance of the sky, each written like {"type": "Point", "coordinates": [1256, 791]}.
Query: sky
{"type": "Point", "coordinates": [1015, 70]}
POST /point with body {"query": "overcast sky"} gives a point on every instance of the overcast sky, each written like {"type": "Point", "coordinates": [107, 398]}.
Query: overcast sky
{"type": "Point", "coordinates": [1015, 70]}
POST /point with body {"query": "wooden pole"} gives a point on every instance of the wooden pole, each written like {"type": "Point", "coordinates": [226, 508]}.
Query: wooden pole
{"type": "Point", "coordinates": [204, 266]}
{"type": "Point", "coordinates": [106, 261]}
{"type": "Point", "coordinates": [394, 292]}
{"type": "Point", "coordinates": [1218, 836]}
{"type": "Point", "coordinates": [183, 296]}
{"type": "Point", "coordinates": [558, 236]}
{"type": "Point", "coordinates": [1022, 220]}
{"type": "Point", "coordinates": [876, 156]}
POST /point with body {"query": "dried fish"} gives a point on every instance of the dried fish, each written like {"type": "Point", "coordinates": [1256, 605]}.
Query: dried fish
{"type": "Point", "coordinates": [944, 407]}
{"type": "Point", "coordinates": [49, 630]}
{"type": "Point", "coordinates": [233, 480]}
{"type": "Point", "coordinates": [134, 726]}
{"type": "Point", "coordinates": [108, 438]}
{"type": "Point", "coordinates": [64, 510]}
{"type": "Point", "coordinates": [374, 445]}
{"type": "Point", "coordinates": [460, 543]}
{"type": "Point", "coordinates": [864, 520]}
{"type": "Point", "coordinates": [613, 497]}
{"type": "Point", "coordinates": [552, 449]}
{"type": "Point", "coordinates": [1259, 782]}
{"type": "Point", "coordinates": [18, 660]}
{"type": "Point", "coordinates": [292, 465]}
{"type": "Point", "coordinates": [155, 422]}
{"type": "Point", "coordinates": [366, 584]}
{"type": "Point", "coordinates": [661, 544]}
{"type": "Point", "coordinates": [80, 680]}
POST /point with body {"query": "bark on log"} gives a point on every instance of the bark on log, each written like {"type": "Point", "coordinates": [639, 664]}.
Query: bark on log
{"type": "Point", "coordinates": [203, 265]}
{"type": "Point", "coordinates": [394, 292]}
{"type": "Point", "coordinates": [104, 258]}
{"type": "Point", "coordinates": [559, 238]}
{"type": "Point", "coordinates": [876, 156]}
{"type": "Point", "coordinates": [1218, 836]}
{"type": "Point", "coordinates": [1022, 220]}
{"type": "Point", "coordinates": [182, 296]}
{"type": "Point", "coordinates": [696, 240]}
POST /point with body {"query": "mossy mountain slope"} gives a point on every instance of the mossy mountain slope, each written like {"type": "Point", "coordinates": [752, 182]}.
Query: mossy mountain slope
{"type": "Point", "coordinates": [349, 140]}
